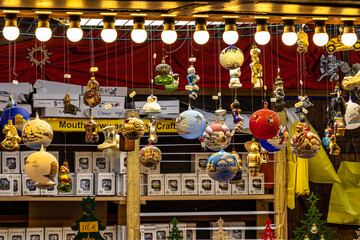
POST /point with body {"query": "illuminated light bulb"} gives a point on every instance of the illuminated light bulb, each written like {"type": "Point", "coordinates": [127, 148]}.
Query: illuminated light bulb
{"type": "Point", "coordinates": [43, 32]}
{"type": "Point", "coordinates": [262, 35]}
{"type": "Point", "coordinates": [230, 36]}
{"type": "Point", "coordinates": [289, 36]}
{"type": "Point", "coordinates": [201, 35]}
{"type": "Point", "coordinates": [74, 32]}
{"type": "Point", "coordinates": [349, 38]}
{"type": "Point", "coordinates": [11, 32]}
{"type": "Point", "coordinates": [139, 34]}
{"type": "Point", "coordinates": [320, 37]}
{"type": "Point", "coordinates": [108, 33]}
{"type": "Point", "coordinates": [169, 34]}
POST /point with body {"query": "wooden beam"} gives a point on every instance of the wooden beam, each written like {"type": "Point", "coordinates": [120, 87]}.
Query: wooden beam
{"type": "Point", "coordinates": [260, 219]}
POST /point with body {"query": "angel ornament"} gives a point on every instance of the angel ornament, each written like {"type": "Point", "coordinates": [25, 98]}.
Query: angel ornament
{"type": "Point", "coordinates": [192, 80]}
{"type": "Point", "coordinates": [153, 138]}
{"type": "Point", "coordinates": [256, 68]}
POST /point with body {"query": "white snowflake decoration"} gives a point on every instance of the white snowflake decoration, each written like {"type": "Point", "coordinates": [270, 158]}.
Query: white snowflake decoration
{"type": "Point", "coordinates": [38, 50]}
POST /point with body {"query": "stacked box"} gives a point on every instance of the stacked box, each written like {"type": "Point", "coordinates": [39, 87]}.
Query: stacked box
{"type": "Point", "coordinates": [55, 154]}
{"type": "Point", "coordinates": [199, 162]}
{"type": "Point", "coordinates": [17, 184]}
{"type": "Point", "coordinates": [147, 232]}
{"type": "Point", "coordinates": [109, 233]}
{"type": "Point", "coordinates": [35, 234]}
{"type": "Point", "coordinates": [51, 191]}
{"type": "Point", "coordinates": [100, 163]}
{"type": "Point", "coordinates": [143, 185]}
{"type": "Point", "coordinates": [121, 185]}
{"type": "Point", "coordinates": [6, 185]}
{"type": "Point", "coordinates": [222, 188]}
{"type": "Point", "coordinates": [256, 184]}
{"type": "Point", "coordinates": [17, 233]}
{"type": "Point", "coordinates": [104, 183]}
{"type": "Point", "coordinates": [28, 187]}
{"type": "Point", "coordinates": [11, 162]}
{"type": "Point", "coordinates": [53, 233]}
{"type": "Point", "coordinates": [173, 184]}
{"type": "Point", "coordinates": [156, 184]}
{"type": "Point", "coordinates": [3, 234]}
{"type": "Point", "coordinates": [242, 187]}
{"type": "Point", "coordinates": [121, 232]}
{"type": "Point", "coordinates": [85, 183]}
{"type": "Point", "coordinates": [23, 156]}
{"type": "Point", "coordinates": [73, 191]}
{"type": "Point", "coordinates": [189, 184]}
{"type": "Point", "coordinates": [245, 168]}
{"type": "Point", "coordinates": [182, 229]}
{"type": "Point", "coordinates": [68, 233]}
{"type": "Point", "coordinates": [206, 184]}
{"type": "Point", "coordinates": [120, 164]}
{"type": "Point", "coordinates": [152, 170]}
{"type": "Point", "coordinates": [190, 231]}
{"type": "Point", "coordinates": [236, 233]}
{"type": "Point", "coordinates": [83, 162]}
{"type": "Point", "coordinates": [161, 231]}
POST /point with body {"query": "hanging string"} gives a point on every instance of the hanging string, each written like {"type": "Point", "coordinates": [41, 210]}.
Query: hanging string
{"type": "Point", "coordinates": [126, 65]}
{"type": "Point", "coordinates": [219, 76]}
{"type": "Point", "coordinates": [132, 73]}
{"type": "Point", "coordinates": [116, 65]}
{"type": "Point", "coordinates": [14, 65]}
{"type": "Point", "coordinates": [202, 76]}
{"type": "Point", "coordinates": [251, 85]}
{"type": "Point", "coordinates": [216, 65]}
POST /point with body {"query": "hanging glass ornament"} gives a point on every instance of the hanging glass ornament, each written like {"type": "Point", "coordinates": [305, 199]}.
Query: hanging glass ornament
{"type": "Point", "coordinates": [91, 131]}
{"type": "Point", "coordinates": [18, 115]}
{"type": "Point", "coordinates": [339, 125]}
{"type": "Point", "coordinates": [190, 124]}
{"type": "Point", "coordinates": [277, 143]}
{"type": "Point", "coordinates": [352, 115]}
{"type": "Point", "coordinates": [256, 68]}
{"type": "Point", "coordinates": [12, 139]}
{"type": "Point", "coordinates": [279, 94]}
{"type": "Point", "coordinates": [109, 138]}
{"type": "Point", "coordinates": [153, 138]}
{"type": "Point", "coordinates": [327, 134]}
{"type": "Point", "coordinates": [222, 166]}
{"type": "Point", "coordinates": [264, 154]}
{"type": "Point", "coordinates": [42, 167]}
{"type": "Point", "coordinates": [238, 176]}
{"type": "Point", "coordinates": [306, 237]}
{"type": "Point", "coordinates": [334, 148]}
{"type": "Point", "coordinates": [264, 123]}
{"type": "Point", "coordinates": [165, 76]}
{"type": "Point", "coordinates": [231, 58]}
{"type": "Point", "coordinates": [350, 83]}
{"type": "Point", "coordinates": [337, 104]}
{"type": "Point", "coordinates": [68, 107]}
{"type": "Point", "coordinates": [304, 143]}
{"type": "Point", "coordinates": [37, 133]}
{"type": "Point", "coordinates": [238, 120]}
{"type": "Point", "coordinates": [322, 237]}
{"type": "Point", "coordinates": [132, 128]}
{"type": "Point", "coordinates": [314, 229]}
{"type": "Point", "coordinates": [253, 158]}
{"type": "Point", "coordinates": [302, 41]}
{"type": "Point", "coordinates": [65, 183]}
{"type": "Point", "coordinates": [150, 156]}
{"type": "Point", "coordinates": [192, 80]}
{"type": "Point", "coordinates": [152, 106]}
{"type": "Point", "coordinates": [217, 136]}
{"type": "Point", "coordinates": [235, 78]}
{"type": "Point", "coordinates": [175, 83]}
{"type": "Point", "coordinates": [92, 96]}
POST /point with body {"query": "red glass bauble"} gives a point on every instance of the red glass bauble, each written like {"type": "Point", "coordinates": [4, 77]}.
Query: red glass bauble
{"type": "Point", "coordinates": [264, 123]}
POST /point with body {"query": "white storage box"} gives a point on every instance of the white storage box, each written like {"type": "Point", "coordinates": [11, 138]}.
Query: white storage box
{"type": "Point", "coordinates": [10, 162]}
{"type": "Point", "coordinates": [85, 183]}
{"type": "Point", "coordinates": [108, 113]}
{"type": "Point", "coordinates": [120, 164]}
{"type": "Point", "coordinates": [143, 185]}
{"type": "Point", "coordinates": [242, 187]}
{"type": "Point", "coordinates": [121, 232]}
{"type": "Point", "coordinates": [16, 233]}
{"type": "Point", "coordinates": [167, 107]}
{"type": "Point", "coordinates": [189, 184]}
{"type": "Point", "coordinates": [83, 162]}
{"type": "Point", "coordinates": [152, 170]}
{"type": "Point", "coordinates": [3, 234]}
{"type": "Point", "coordinates": [190, 233]}
{"type": "Point", "coordinates": [73, 191]}
{"type": "Point", "coordinates": [49, 103]}
{"type": "Point", "coordinates": [199, 162]}
{"type": "Point", "coordinates": [53, 233]}
{"type": "Point", "coordinates": [23, 156]}
{"type": "Point", "coordinates": [206, 184]}
{"type": "Point", "coordinates": [6, 184]}
{"type": "Point", "coordinates": [156, 184]}
{"type": "Point", "coordinates": [161, 231]}
{"type": "Point", "coordinates": [182, 229]}
{"type": "Point", "coordinates": [51, 191]}
{"type": "Point", "coordinates": [121, 184]}
{"type": "Point", "coordinates": [101, 164]}
{"type": "Point", "coordinates": [244, 163]}
{"type": "Point", "coordinates": [60, 112]}
{"type": "Point", "coordinates": [115, 102]}
{"type": "Point", "coordinates": [17, 184]}
{"type": "Point", "coordinates": [20, 92]}
{"type": "Point", "coordinates": [256, 184]}
{"type": "Point", "coordinates": [236, 233]}
{"type": "Point", "coordinates": [68, 233]}
{"type": "Point", "coordinates": [27, 107]}
{"type": "Point", "coordinates": [222, 188]}
{"type": "Point", "coordinates": [56, 90]}
{"type": "Point", "coordinates": [55, 154]}
{"type": "Point", "coordinates": [113, 91]}
{"type": "Point", "coordinates": [173, 184]}
{"type": "Point", "coordinates": [104, 183]}
{"type": "Point", "coordinates": [109, 233]}
{"type": "Point", "coordinates": [28, 187]}
{"type": "Point", "coordinates": [34, 233]}
{"type": "Point", "coordinates": [147, 232]}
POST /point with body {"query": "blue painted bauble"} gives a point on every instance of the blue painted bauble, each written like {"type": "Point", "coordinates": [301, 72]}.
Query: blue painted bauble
{"type": "Point", "coordinates": [190, 124]}
{"type": "Point", "coordinates": [277, 143]}
{"type": "Point", "coordinates": [18, 115]}
{"type": "Point", "coordinates": [222, 166]}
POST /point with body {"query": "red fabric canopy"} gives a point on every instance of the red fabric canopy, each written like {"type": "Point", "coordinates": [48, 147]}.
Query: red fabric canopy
{"type": "Point", "coordinates": [129, 64]}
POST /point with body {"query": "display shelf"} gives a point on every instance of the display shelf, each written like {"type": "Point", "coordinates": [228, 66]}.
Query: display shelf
{"type": "Point", "coordinates": [211, 197]}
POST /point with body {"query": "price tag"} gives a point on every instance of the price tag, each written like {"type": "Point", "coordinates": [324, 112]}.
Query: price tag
{"type": "Point", "coordinates": [108, 106]}
{"type": "Point", "coordinates": [67, 76]}
{"type": "Point", "coordinates": [154, 55]}
{"type": "Point", "coordinates": [272, 99]}
{"type": "Point", "coordinates": [94, 69]}
{"type": "Point", "coordinates": [265, 87]}
{"type": "Point", "coordinates": [305, 111]}
{"type": "Point", "coordinates": [132, 94]}
{"type": "Point", "coordinates": [86, 227]}
{"type": "Point", "coordinates": [15, 82]}
{"type": "Point", "coordinates": [299, 104]}
{"type": "Point", "coordinates": [301, 82]}
{"type": "Point", "coordinates": [301, 98]}
{"type": "Point", "coordinates": [188, 87]}
{"type": "Point", "coordinates": [219, 94]}
{"type": "Point", "coordinates": [215, 97]}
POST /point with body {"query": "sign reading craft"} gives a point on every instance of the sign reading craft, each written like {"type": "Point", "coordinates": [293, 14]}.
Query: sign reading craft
{"type": "Point", "coordinates": [77, 125]}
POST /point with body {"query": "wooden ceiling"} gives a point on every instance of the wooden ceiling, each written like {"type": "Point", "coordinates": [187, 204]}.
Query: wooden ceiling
{"type": "Point", "coordinates": [244, 10]}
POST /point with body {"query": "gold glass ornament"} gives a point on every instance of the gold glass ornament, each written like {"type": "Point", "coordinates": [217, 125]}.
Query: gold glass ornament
{"type": "Point", "coordinates": [254, 159]}
{"type": "Point", "coordinates": [12, 139]}
{"type": "Point", "coordinates": [132, 128]}
{"type": "Point", "coordinates": [334, 148]}
{"type": "Point", "coordinates": [153, 138]}
{"type": "Point", "coordinates": [92, 96]}
{"type": "Point", "coordinates": [302, 41]}
{"type": "Point", "coordinates": [339, 125]}
{"type": "Point", "coordinates": [37, 133]}
{"type": "Point", "coordinates": [150, 156]}
{"type": "Point", "coordinates": [279, 94]}
{"type": "Point", "coordinates": [91, 131]}
{"type": "Point", "coordinates": [264, 155]}
{"type": "Point", "coordinates": [68, 107]}
{"type": "Point", "coordinates": [238, 176]}
{"type": "Point", "coordinates": [65, 182]}
{"type": "Point", "coordinates": [256, 68]}
{"type": "Point", "coordinates": [109, 138]}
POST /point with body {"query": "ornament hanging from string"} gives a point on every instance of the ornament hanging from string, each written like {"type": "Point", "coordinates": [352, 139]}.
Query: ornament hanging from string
{"type": "Point", "coordinates": [192, 87]}
{"type": "Point", "coordinates": [256, 68]}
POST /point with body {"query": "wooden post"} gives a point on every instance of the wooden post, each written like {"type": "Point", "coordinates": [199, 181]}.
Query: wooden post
{"type": "Point", "coordinates": [133, 190]}
{"type": "Point", "coordinates": [280, 189]}
{"type": "Point", "coordinates": [261, 205]}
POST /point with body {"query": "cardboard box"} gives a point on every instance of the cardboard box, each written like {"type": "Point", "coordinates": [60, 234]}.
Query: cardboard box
{"type": "Point", "coordinates": [156, 184]}
{"type": "Point", "coordinates": [190, 231]}
{"type": "Point", "coordinates": [49, 103]}
{"type": "Point", "coordinates": [83, 162]}
{"type": "Point", "coordinates": [242, 187]}
{"type": "Point", "coordinates": [244, 163]}
{"type": "Point", "coordinates": [115, 102]}
{"type": "Point", "coordinates": [60, 112]}
{"type": "Point", "coordinates": [152, 170]}
{"type": "Point", "coordinates": [161, 231]}
{"type": "Point", "coordinates": [68, 233]}
{"type": "Point", "coordinates": [106, 91]}
{"type": "Point", "coordinates": [147, 232]}
{"type": "Point", "coordinates": [53, 233]}
{"type": "Point", "coordinates": [6, 184]}
{"type": "Point", "coordinates": [109, 233]}
{"type": "Point", "coordinates": [85, 183]}
{"type": "Point", "coordinates": [23, 156]}
{"type": "Point", "coordinates": [206, 184]}
{"type": "Point", "coordinates": [27, 107]}
{"type": "Point", "coordinates": [189, 184]}
{"type": "Point", "coordinates": [256, 184]}
{"type": "Point", "coordinates": [104, 183]}
{"type": "Point", "coordinates": [101, 164]}
{"type": "Point", "coordinates": [143, 185]}
{"type": "Point", "coordinates": [173, 184]}
{"type": "Point", "coordinates": [53, 191]}
{"type": "Point", "coordinates": [17, 184]}
{"type": "Point", "coordinates": [73, 177]}
{"type": "Point", "coordinates": [20, 92]}
{"type": "Point", "coordinates": [122, 232]}
{"type": "Point", "coordinates": [4, 234]}
{"type": "Point", "coordinates": [121, 184]}
{"type": "Point", "coordinates": [120, 164]}
{"type": "Point", "coordinates": [56, 90]}
{"type": "Point", "coordinates": [16, 233]}
{"type": "Point", "coordinates": [108, 113]}
{"type": "Point", "coordinates": [199, 162]}
{"type": "Point", "coordinates": [10, 162]}
{"type": "Point", "coordinates": [182, 229]}
{"type": "Point", "coordinates": [167, 107]}
{"type": "Point", "coordinates": [222, 188]}
{"type": "Point", "coordinates": [236, 233]}
{"type": "Point", "coordinates": [34, 233]}
{"type": "Point", "coordinates": [28, 187]}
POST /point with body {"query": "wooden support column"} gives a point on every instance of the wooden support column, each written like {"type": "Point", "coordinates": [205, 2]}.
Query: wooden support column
{"type": "Point", "coordinates": [133, 190]}
{"type": "Point", "coordinates": [280, 205]}
{"type": "Point", "coordinates": [261, 205]}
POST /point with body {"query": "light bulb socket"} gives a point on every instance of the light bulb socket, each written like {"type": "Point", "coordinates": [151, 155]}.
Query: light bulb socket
{"type": "Point", "coordinates": [289, 26]}
{"type": "Point", "coordinates": [139, 23]}
{"type": "Point", "coordinates": [320, 27]}
{"type": "Point", "coordinates": [230, 24]}
{"type": "Point", "coordinates": [348, 27]}
{"type": "Point", "coordinates": [109, 22]}
{"type": "Point", "coordinates": [200, 24]}
{"type": "Point", "coordinates": [11, 20]}
{"type": "Point", "coordinates": [261, 25]}
{"type": "Point", "coordinates": [74, 21]}
{"type": "Point", "coordinates": [169, 24]}
{"type": "Point", "coordinates": [43, 21]}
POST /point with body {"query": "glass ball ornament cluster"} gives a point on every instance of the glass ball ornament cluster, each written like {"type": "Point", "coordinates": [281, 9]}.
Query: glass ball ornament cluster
{"type": "Point", "coordinates": [264, 123]}
{"type": "Point", "coordinates": [18, 115]}
{"type": "Point", "coordinates": [278, 142]}
{"type": "Point", "coordinates": [222, 166]}
{"type": "Point", "coordinates": [190, 124]}
{"type": "Point", "coordinates": [150, 156]}
{"type": "Point", "coordinates": [132, 128]}
{"type": "Point", "coordinates": [37, 133]}
{"type": "Point", "coordinates": [305, 143]}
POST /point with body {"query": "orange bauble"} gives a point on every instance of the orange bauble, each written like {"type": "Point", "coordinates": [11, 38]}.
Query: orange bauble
{"type": "Point", "coordinates": [264, 123]}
